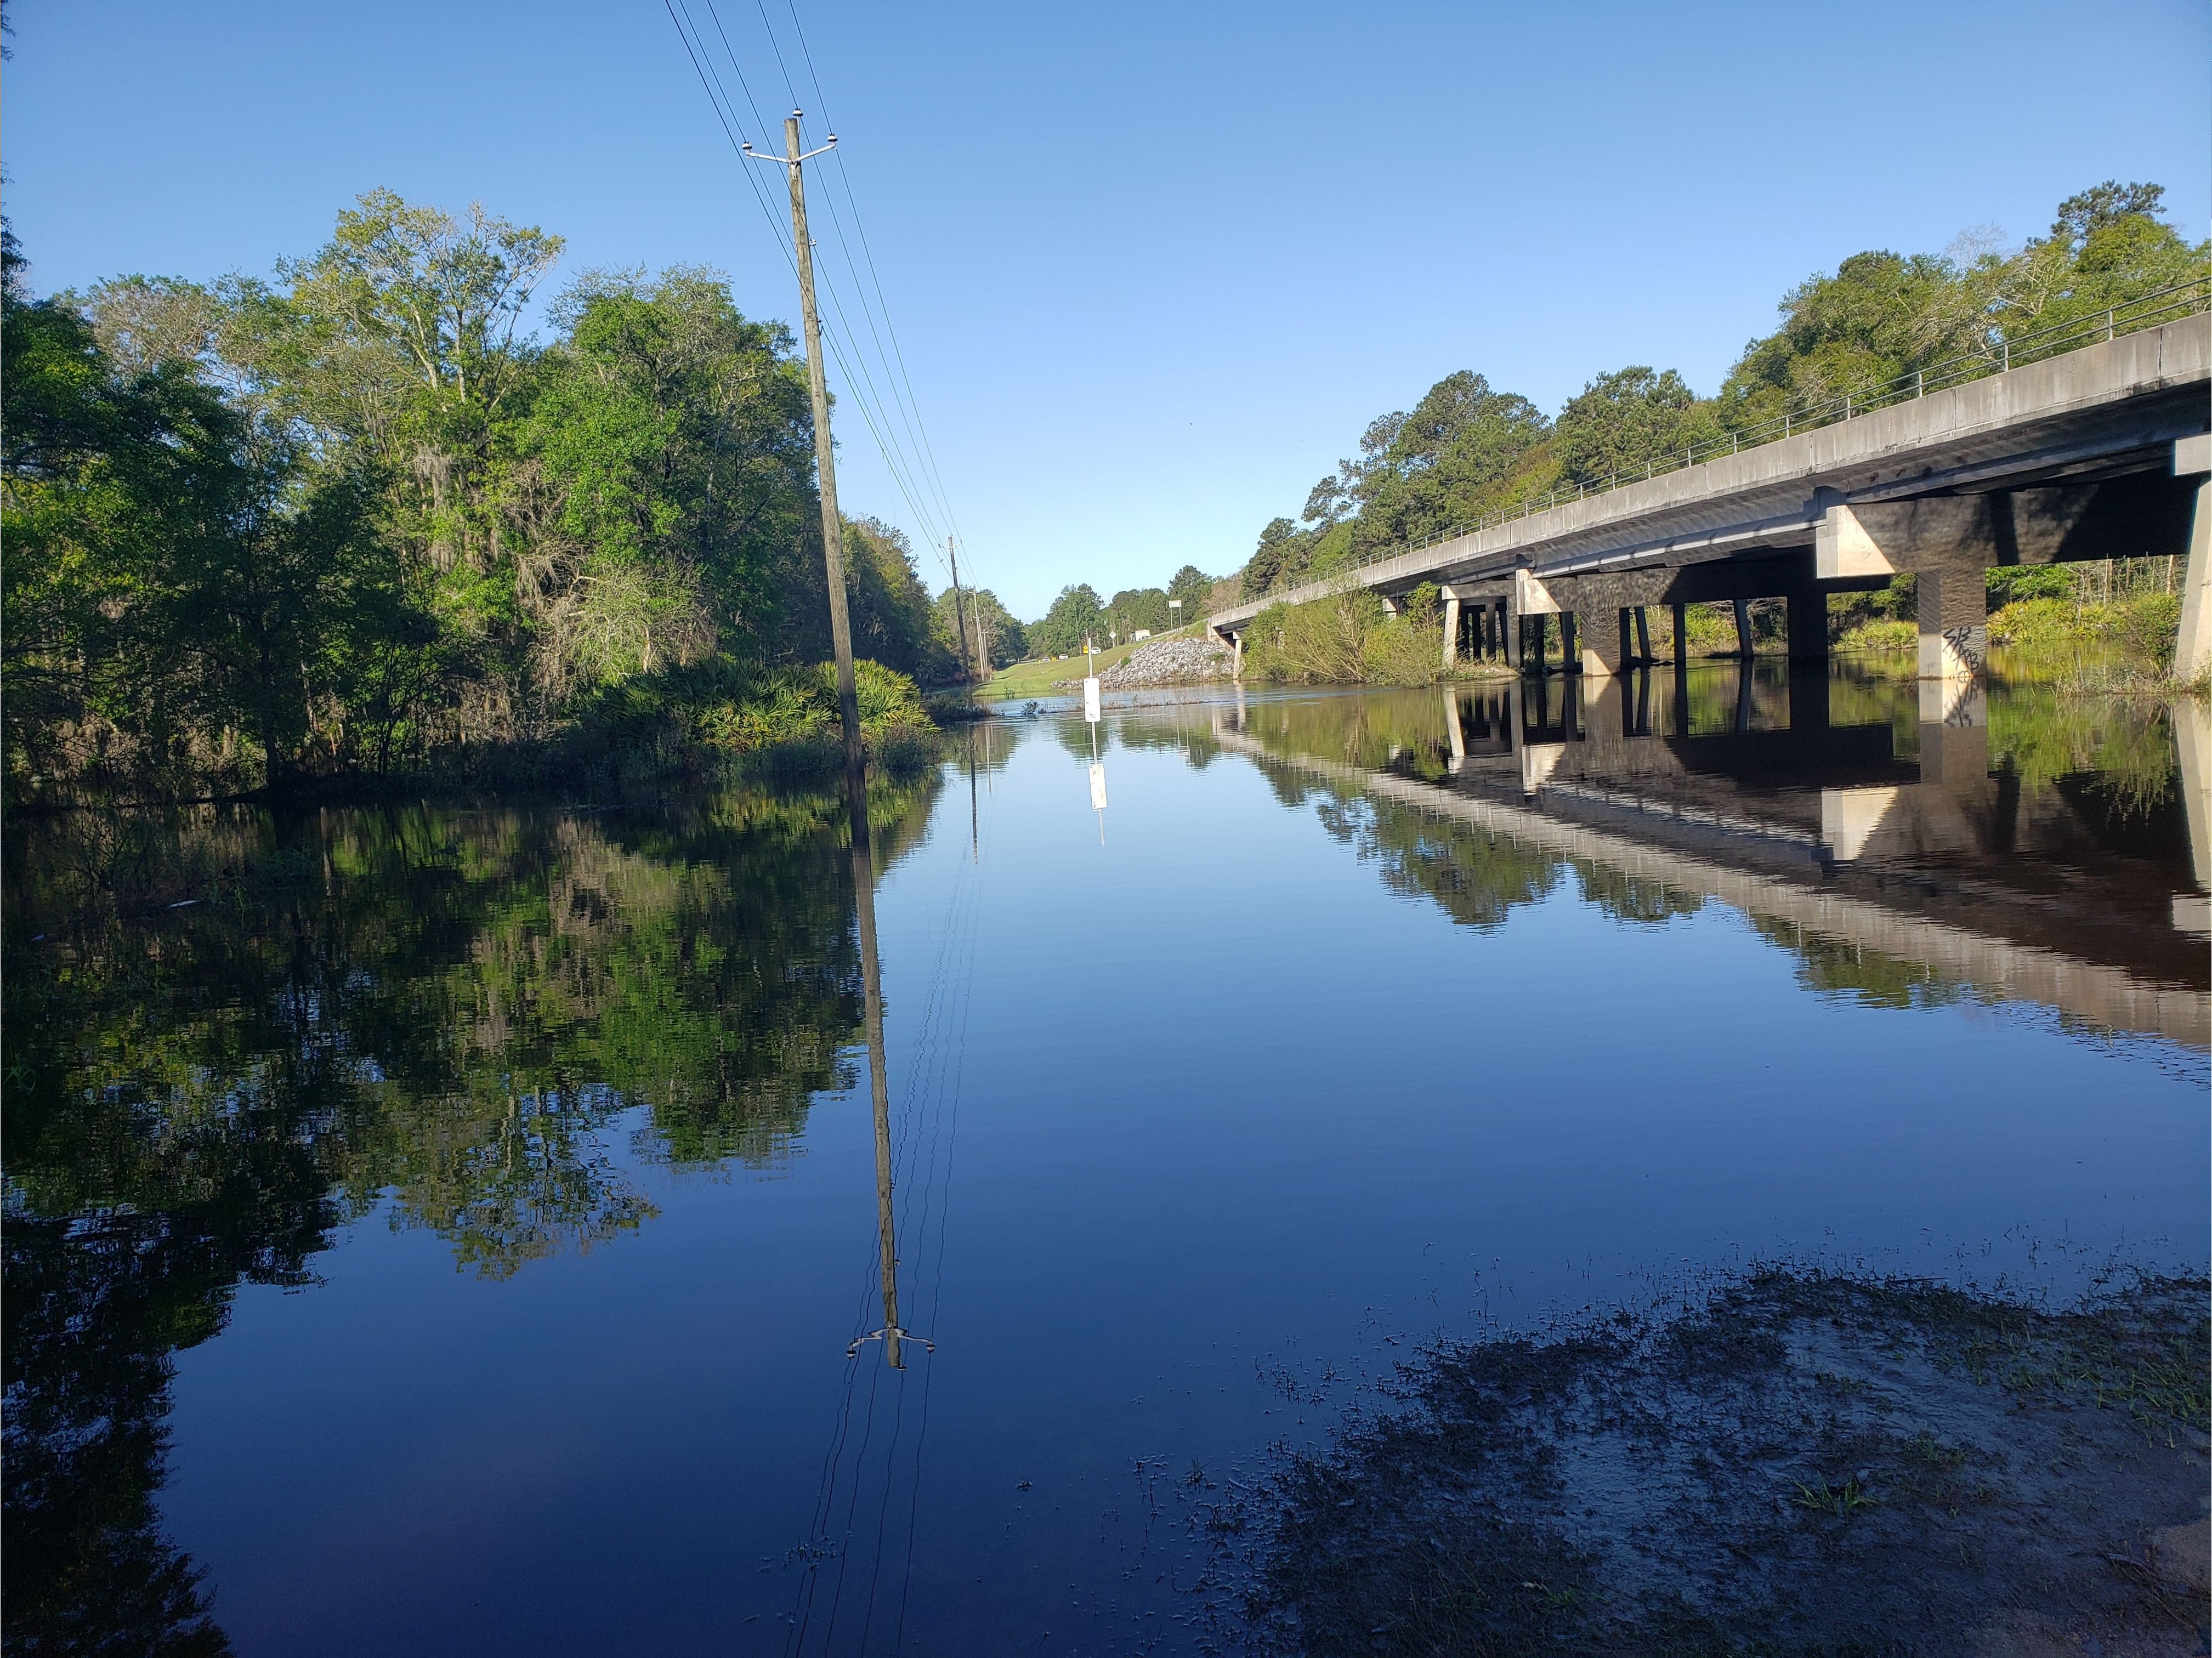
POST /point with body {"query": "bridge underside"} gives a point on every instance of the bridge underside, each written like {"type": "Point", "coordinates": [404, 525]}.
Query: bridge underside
{"type": "Point", "coordinates": [1599, 622]}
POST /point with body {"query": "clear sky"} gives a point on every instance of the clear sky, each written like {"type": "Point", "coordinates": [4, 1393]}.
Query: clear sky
{"type": "Point", "coordinates": [1152, 267]}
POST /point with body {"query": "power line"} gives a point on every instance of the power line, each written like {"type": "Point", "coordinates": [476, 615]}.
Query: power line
{"type": "Point", "coordinates": [860, 230]}
{"type": "Point", "coordinates": [725, 107]}
{"type": "Point", "coordinates": [913, 463]}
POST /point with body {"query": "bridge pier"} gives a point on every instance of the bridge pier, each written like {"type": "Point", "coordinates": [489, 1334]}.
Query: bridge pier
{"type": "Point", "coordinates": [1954, 621]}
{"type": "Point", "coordinates": [1808, 624]}
{"type": "Point", "coordinates": [1605, 648]}
{"type": "Point", "coordinates": [1451, 631]}
{"type": "Point", "coordinates": [2192, 646]}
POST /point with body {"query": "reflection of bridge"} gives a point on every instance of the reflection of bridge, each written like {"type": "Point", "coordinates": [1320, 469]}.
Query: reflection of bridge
{"type": "Point", "coordinates": [2098, 453]}
{"type": "Point", "coordinates": [1824, 831]}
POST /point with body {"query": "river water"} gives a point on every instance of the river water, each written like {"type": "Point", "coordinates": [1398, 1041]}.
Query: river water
{"type": "Point", "coordinates": [447, 1226]}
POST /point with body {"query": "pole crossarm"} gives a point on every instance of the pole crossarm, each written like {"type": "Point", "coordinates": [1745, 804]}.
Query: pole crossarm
{"type": "Point", "coordinates": [791, 161]}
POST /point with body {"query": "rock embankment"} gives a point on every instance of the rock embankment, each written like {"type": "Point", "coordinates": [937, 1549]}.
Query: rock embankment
{"type": "Point", "coordinates": [1168, 662]}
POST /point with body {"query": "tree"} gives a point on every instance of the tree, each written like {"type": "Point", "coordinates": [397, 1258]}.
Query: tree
{"type": "Point", "coordinates": [1881, 316]}
{"type": "Point", "coordinates": [1621, 421]}
{"type": "Point", "coordinates": [1264, 570]}
{"type": "Point", "coordinates": [1076, 615]}
{"type": "Point", "coordinates": [891, 619]}
{"type": "Point", "coordinates": [659, 480]}
{"type": "Point", "coordinates": [1463, 446]}
{"type": "Point", "coordinates": [1134, 608]}
{"type": "Point", "coordinates": [177, 566]}
{"type": "Point", "coordinates": [1195, 588]}
{"type": "Point", "coordinates": [1006, 640]}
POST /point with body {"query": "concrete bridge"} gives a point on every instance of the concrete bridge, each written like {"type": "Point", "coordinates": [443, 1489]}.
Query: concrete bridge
{"type": "Point", "coordinates": [2101, 452]}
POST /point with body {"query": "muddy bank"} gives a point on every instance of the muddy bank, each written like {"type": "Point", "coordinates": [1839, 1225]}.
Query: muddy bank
{"type": "Point", "coordinates": [1801, 1464]}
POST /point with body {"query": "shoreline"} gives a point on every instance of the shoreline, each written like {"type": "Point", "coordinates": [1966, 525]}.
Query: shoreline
{"type": "Point", "coordinates": [1798, 1463]}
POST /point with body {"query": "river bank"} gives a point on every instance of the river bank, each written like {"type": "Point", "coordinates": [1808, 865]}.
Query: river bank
{"type": "Point", "coordinates": [1787, 1463]}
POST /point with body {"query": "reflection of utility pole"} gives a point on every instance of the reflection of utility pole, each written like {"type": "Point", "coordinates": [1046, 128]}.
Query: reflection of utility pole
{"type": "Point", "coordinates": [974, 832]}
{"type": "Point", "coordinates": [833, 530]}
{"type": "Point", "coordinates": [864, 899]}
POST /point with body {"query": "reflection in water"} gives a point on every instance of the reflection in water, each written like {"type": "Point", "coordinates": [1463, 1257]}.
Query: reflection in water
{"type": "Point", "coordinates": [1907, 841]}
{"type": "Point", "coordinates": [864, 903]}
{"type": "Point", "coordinates": [231, 1035]}
{"type": "Point", "coordinates": [511, 1032]}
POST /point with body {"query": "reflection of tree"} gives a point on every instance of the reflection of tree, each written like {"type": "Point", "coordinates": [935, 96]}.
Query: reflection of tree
{"type": "Point", "coordinates": [1633, 897]}
{"type": "Point", "coordinates": [1833, 968]}
{"type": "Point", "coordinates": [438, 1011]}
{"type": "Point", "coordinates": [1475, 876]}
{"type": "Point", "coordinates": [93, 1310]}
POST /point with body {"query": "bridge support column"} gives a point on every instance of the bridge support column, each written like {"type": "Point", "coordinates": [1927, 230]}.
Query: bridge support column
{"type": "Point", "coordinates": [1954, 621]}
{"type": "Point", "coordinates": [1743, 629]}
{"type": "Point", "coordinates": [1510, 630]}
{"type": "Point", "coordinates": [1644, 635]}
{"type": "Point", "coordinates": [1808, 624]}
{"type": "Point", "coordinates": [1604, 647]}
{"type": "Point", "coordinates": [1570, 661]}
{"type": "Point", "coordinates": [2192, 646]}
{"type": "Point", "coordinates": [1681, 634]}
{"type": "Point", "coordinates": [1451, 634]}
{"type": "Point", "coordinates": [1237, 656]}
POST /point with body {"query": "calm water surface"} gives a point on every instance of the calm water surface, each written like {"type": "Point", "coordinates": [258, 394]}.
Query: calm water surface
{"type": "Point", "coordinates": [449, 1231]}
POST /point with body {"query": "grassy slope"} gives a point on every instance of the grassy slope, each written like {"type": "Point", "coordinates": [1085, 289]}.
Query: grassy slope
{"type": "Point", "coordinates": [1038, 678]}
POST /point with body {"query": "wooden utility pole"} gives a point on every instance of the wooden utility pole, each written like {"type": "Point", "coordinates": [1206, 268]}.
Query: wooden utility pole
{"type": "Point", "coordinates": [976, 609]}
{"type": "Point", "coordinates": [825, 465]}
{"type": "Point", "coordinates": [959, 622]}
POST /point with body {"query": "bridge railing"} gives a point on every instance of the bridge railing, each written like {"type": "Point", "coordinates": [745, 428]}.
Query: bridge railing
{"type": "Point", "coordinates": [2146, 311]}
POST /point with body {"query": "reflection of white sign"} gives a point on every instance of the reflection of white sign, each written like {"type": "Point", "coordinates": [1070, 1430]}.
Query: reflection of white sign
{"type": "Point", "coordinates": [1097, 785]}
{"type": "Point", "coordinates": [1091, 700]}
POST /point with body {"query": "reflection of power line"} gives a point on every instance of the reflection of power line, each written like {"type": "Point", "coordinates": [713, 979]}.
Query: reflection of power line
{"type": "Point", "coordinates": [864, 899]}
{"type": "Point", "coordinates": [845, 1559]}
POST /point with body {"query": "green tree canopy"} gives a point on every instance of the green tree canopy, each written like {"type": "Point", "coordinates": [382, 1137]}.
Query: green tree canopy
{"type": "Point", "coordinates": [1195, 588]}
{"type": "Point", "coordinates": [1075, 615]}
{"type": "Point", "coordinates": [1134, 608]}
{"type": "Point", "coordinates": [1622, 421]}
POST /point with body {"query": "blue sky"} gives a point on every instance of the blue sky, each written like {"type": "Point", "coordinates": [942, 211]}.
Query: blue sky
{"type": "Point", "coordinates": [1152, 267]}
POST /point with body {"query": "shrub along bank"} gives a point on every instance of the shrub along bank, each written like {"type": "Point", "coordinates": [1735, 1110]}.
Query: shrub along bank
{"type": "Point", "coordinates": [2124, 612]}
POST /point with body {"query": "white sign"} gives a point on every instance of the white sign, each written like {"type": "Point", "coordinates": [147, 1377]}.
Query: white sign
{"type": "Point", "coordinates": [1091, 700]}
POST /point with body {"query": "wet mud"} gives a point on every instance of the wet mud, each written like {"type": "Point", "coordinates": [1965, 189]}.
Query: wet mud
{"type": "Point", "coordinates": [1797, 1464]}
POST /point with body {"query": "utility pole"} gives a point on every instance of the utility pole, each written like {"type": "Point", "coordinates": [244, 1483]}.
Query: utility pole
{"type": "Point", "coordinates": [976, 609]}
{"type": "Point", "coordinates": [825, 465]}
{"type": "Point", "coordinates": [959, 623]}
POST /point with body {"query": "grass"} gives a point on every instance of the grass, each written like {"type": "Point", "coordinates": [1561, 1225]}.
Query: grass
{"type": "Point", "coordinates": [1038, 678]}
